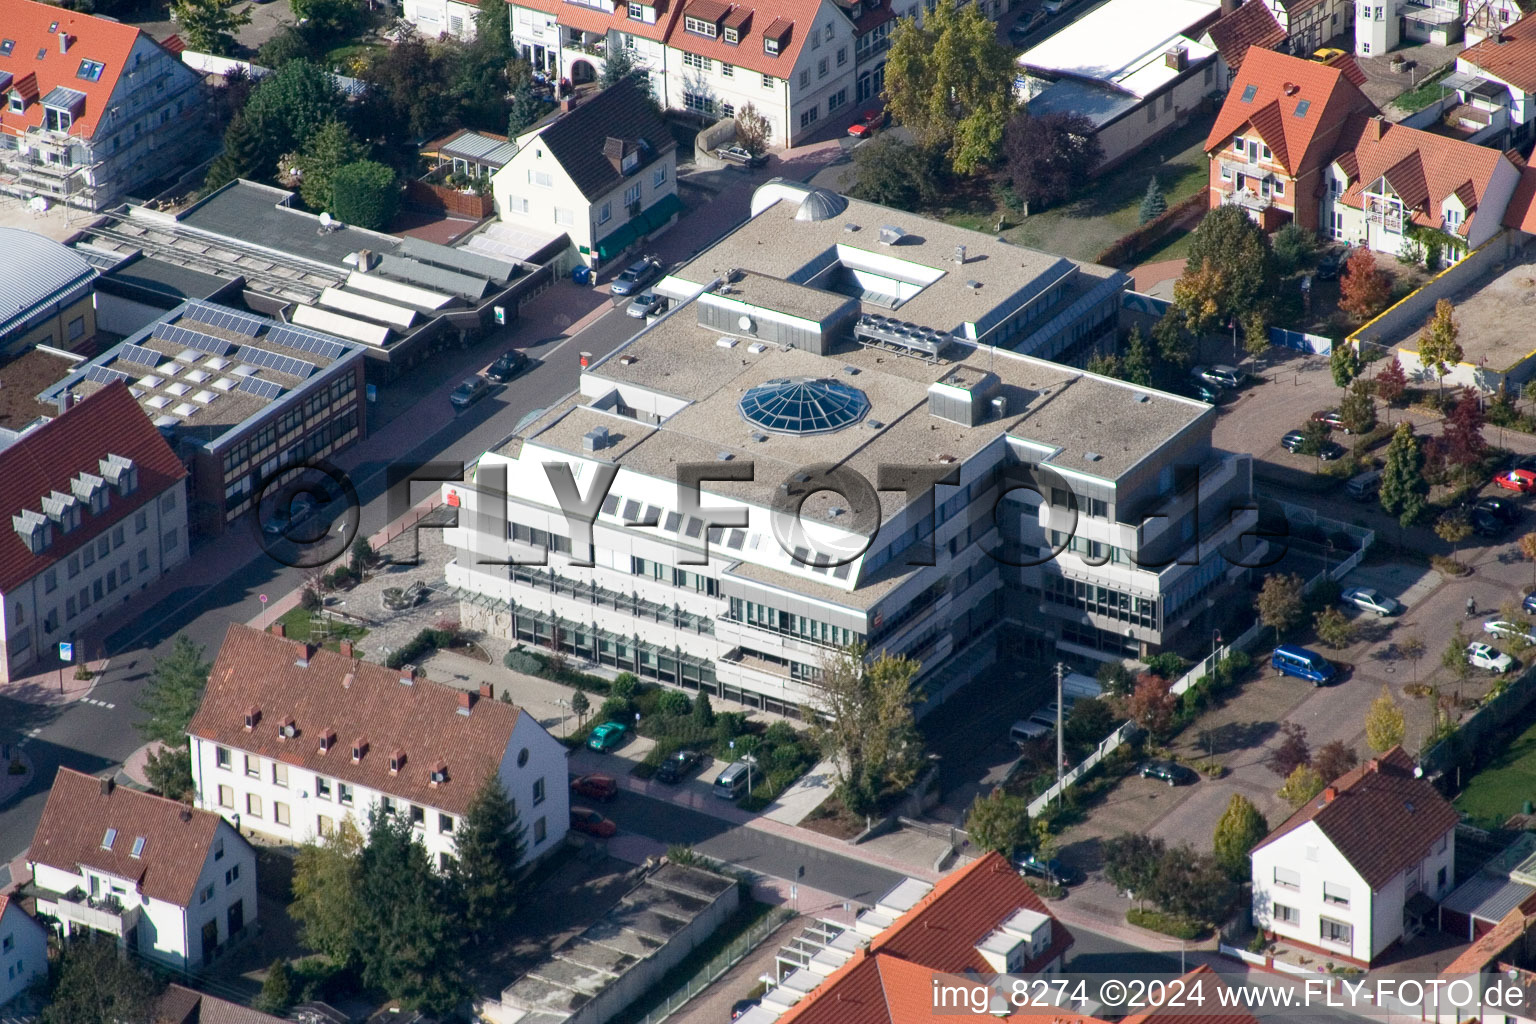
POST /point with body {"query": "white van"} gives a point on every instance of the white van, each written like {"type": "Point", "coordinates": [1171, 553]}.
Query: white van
{"type": "Point", "coordinates": [1077, 686]}
{"type": "Point", "coordinates": [1024, 730]}
{"type": "Point", "coordinates": [1364, 486]}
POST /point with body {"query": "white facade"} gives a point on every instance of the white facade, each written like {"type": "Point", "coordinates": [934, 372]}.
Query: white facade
{"type": "Point", "coordinates": [180, 937]}
{"type": "Point", "coordinates": [295, 805]}
{"type": "Point", "coordinates": [23, 950]}
{"type": "Point", "coordinates": [1382, 28]}
{"type": "Point", "coordinates": [1383, 226]}
{"type": "Point", "coordinates": [435, 18]}
{"type": "Point", "coordinates": [1516, 106]}
{"type": "Point", "coordinates": [1306, 891]}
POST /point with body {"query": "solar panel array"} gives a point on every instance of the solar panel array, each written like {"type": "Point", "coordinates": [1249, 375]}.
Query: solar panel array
{"type": "Point", "coordinates": [306, 341]}
{"type": "Point", "coordinates": [139, 354]}
{"type": "Point", "coordinates": [105, 374]}
{"type": "Point", "coordinates": [272, 361]}
{"type": "Point", "coordinates": [228, 319]}
{"type": "Point", "coordinates": [174, 335]}
{"type": "Point", "coordinates": [263, 389]}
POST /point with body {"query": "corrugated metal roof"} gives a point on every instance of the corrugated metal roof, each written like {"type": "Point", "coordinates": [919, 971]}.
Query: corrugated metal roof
{"type": "Point", "coordinates": [1489, 897]}
{"type": "Point", "coordinates": [482, 149]}
{"type": "Point", "coordinates": [35, 272]}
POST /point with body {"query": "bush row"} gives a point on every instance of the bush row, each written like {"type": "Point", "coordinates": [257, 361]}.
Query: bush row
{"type": "Point", "coordinates": [419, 646]}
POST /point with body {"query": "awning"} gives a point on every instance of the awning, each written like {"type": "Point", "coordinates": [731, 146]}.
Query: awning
{"type": "Point", "coordinates": [618, 241]}
{"type": "Point", "coordinates": [662, 212]}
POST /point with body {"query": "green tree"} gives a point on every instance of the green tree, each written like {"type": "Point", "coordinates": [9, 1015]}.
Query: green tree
{"type": "Point", "coordinates": [1314, 435]}
{"type": "Point", "coordinates": [622, 63]}
{"type": "Point", "coordinates": [1194, 886]}
{"type": "Point", "coordinates": [169, 772]}
{"type": "Point", "coordinates": [703, 714]}
{"type": "Point", "coordinates": [1049, 155]}
{"type": "Point", "coordinates": [1302, 785]}
{"type": "Point", "coordinates": [240, 158]}
{"type": "Point", "coordinates": [1280, 602]}
{"type": "Point", "coordinates": [405, 923]}
{"type": "Point", "coordinates": [365, 194]}
{"type": "Point", "coordinates": [1131, 861]}
{"type": "Point", "coordinates": [208, 26]}
{"type": "Point", "coordinates": [174, 691]}
{"type": "Point", "coordinates": [1384, 725]}
{"type": "Point", "coordinates": [527, 108]}
{"type": "Point", "coordinates": [286, 109]}
{"type": "Point", "coordinates": [91, 983]}
{"type": "Point", "coordinates": [1404, 490]}
{"type": "Point", "coordinates": [1333, 628]}
{"type": "Point", "coordinates": [1236, 247]}
{"type": "Point", "coordinates": [580, 705]}
{"type": "Point", "coordinates": [327, 894]}
{"type": "Point", "coordinates": [1199, 294]}
{"type": "Point", "coordinates": [408, 95]}
{"type": "Point", "coordinates": [1439, 347]}
{"type": "Point", "coordinates": [332, 19]}
{"type": "Point", "coordinates": [1174, 345]}
{"type": "Point", "coordinates": [999, 821]}
{"type": "Point", "coordinates": [1454, 658]}
{"type": "Point", "coordinates": [313, 169]}
{"type": "Point", "coordinates": [1240, 829]}
{"type": "Point", "coordinates": [1344, 364]}
{"type": "Point", "coordinates": [753, 130]}
{"type": "Point", "coordinates": [488, 847]}
{"type": "Point", "coordinates": [276, 990]}
{"type": "Point", "coordinates": [1255, 333]}
{"type": "Point", "coordinates": [1453, 527]}
{"type": "Point", "coordinates": [1413, 648]}
{"type": "Point", "coordinates": [1138, 360]}
{"type": "Point", "coordinates": [893, 172]}
{"type": "Point", "coordinates": [950, 82]}
{"type": "Point", "coordinates": [1090, 720]}
{"type": "Point", "coordinates": [1295, 249]}
{"type": "Point", "coordinates": [1153, 203]}
{"type": "Point", "coordinates": [493, 35]}
{"type": "Point", "coordinates": [1357, 410]}
{"type": "Point", "coordinates": [865, 723]}
{"type": "Point", "coordinates": [1106, 364]}
{"type": "Point", "coordinates": [290, 43]}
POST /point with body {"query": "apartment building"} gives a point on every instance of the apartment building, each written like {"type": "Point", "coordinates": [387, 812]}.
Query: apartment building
{"type": "Point", "coordinates": [174, 884]}
{"type": "Point", "coordinates": [23, 949]}
{"type": "Point", "coordinates": [48, 291]}
{"type": "Point", "coordinates": [1359, 867]}
{"type": "Point", "coordinates": [820, 333]}
{"type": "Point", "coordinates": [290, 740]}
{"type": "Point", "coordinates": [93, 109]}
{"type": "Point", "coordinates": [98, 511]}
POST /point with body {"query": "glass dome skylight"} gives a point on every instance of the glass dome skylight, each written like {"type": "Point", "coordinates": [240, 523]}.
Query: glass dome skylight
{"type": "Point", "coordinates": [803, 405]}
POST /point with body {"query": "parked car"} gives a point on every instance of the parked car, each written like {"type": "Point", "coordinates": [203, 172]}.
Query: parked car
{"type": "Point", "coordinates": [595, 786]}
{"type": "Point", "coordinates": [1171, 772]}
{"type": "Point", "coordinates": [469, 392]}
{"type": "Point", "coordinates": [1331, 418]}
{"type": "Point", "coordinates": [1500, 508]}
{"type": "Point", "coordinates": [1368, 599]}
{"type": "Point", "coordinates": [1044, 718]}
{"type": "Point", "coordinates": [1052, 870]}
{"type": "Point", "coordinates": [1293, 440]}
{"type": "Point", "coordinates": [1486, 524]}
{"type": "Point", "coordinates": [679, 766]}
{"type": "Point", "coordinates": [1529, 604]}
{"type": "Point", "coordinates": [1329, 450]}
{"type": "Point", "coordinates": [301, 510]}
{"type": "Point", "coordinates": [1228, 377]}
{"type": "Point", "coordinates": [869, 122]}
{"type": "Point", "coordinates": [645, 304]}
{"type": "Point", "coordinates": [1521, 480]}
{"type": "Point", "coordinates": [1027, 729]}
{"type": "Point", "coordinates": [1055, 6]}
{"type": "Point", "coordinates": [508, 366]}
{"type": "Point", "coordinates": [1024, 27]}
{"type": "Point", "coordinates": [635, 277]}
{"type": "Point", "coordinates": [1326, 54]}
{"type": "Point", "coordinates": [740, 155]}
{"type": "Point", "coordinates": [585, 819]}
{"type": "Point", "coordinates": [1331, 263]}
{"type": "Point", "coordinates": [606, 736]}
{"type": "Point", "coordinates": [1501, 627]}
{"type": "Point", "coordinates": [1481, 655]}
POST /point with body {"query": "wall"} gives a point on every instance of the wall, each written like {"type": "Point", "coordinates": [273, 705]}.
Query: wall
{"type": "Point", "coordinates": [117, 315]}
{"type": "Point", "coordinates": [68, 328]}
{"type": "Point", "coordinates": [27, 958]}
{"type": "Point", "coordinates": [1307, 851]}
{"type": "Point", "coordinates": [1125, 135]}
{"type": "Point", "coordinates": [452, 200]}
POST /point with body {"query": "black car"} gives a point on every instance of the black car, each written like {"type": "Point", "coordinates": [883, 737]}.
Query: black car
{"type": "Point", "coordinates": [1331, 450]}
{"type": "Point", "coordinates": [1486, 524]}
{"type": "Point", "coordinates": [1170, 772]}
{"type": "Point", "coordinates": [1207, 392]}
{"type": "Point", "coordinates": [679, 766]}
{"type": "Point", "coordinates": [635, 277]}
{"type": "Point", "coordinates": [508, 366]}
{"type": "Point", "coordinates": [1331, 263]}
{"type": "Point", "coordinates": [1051, 870]}
{"type": "Point", "coordinates": [469, 392]}
{"type": "Point", "coordinates": [1501, 509]}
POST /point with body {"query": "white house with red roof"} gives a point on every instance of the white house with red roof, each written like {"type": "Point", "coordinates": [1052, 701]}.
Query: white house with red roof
{"type": "Point", "coordinates": [97, 504]}
{"type": "Point", "coordinates": [23, 949]}
{"type": "Point", "coordinates": [92, 109]}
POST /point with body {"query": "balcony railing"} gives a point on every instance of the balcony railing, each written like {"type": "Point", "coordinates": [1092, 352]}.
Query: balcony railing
{"type": "Point", "coordinates": [601, 596]}
{"type": "Point", "coordinates": [104, 915]}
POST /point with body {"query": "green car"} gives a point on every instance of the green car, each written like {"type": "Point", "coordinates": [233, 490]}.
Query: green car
{"type": "Point", "coordinates": [606, 736]}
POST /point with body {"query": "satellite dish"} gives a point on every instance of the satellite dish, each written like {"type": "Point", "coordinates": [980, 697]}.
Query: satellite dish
{"type": "Point", "coordinates": [745, 323]}
{"type": "Point", "coordinates": [325, 220]}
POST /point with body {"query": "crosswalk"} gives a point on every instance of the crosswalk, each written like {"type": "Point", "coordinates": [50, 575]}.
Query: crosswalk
{"type": "Point", "coordinates": [98, 703]}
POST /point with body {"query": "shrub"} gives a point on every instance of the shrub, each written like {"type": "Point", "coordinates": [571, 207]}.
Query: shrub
{"type": "Point", "coordinates": [673, 702]}
{"type": "Point", "coordinates": [624, 685]}
{"type": "Point", "coordinates": [309, 600]}
{"type": "Point", "coordinates": [520, 660]}
{"type": "Point", "coordinates": [615, 709]}
{"type": "Point", "coordinates": [419, 646]}
{"type": "Point", "coordinates": [1167, 924]}
{"type": "Point", "coordinates": [366, 194]}
{"type": "Point", "coordinates": [1168, 665]}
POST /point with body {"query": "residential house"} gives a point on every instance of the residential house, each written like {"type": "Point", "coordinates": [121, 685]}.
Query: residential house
{"type": "Point", "coordinates": [1250, 25]}
{"type": "Point", "coordinates": [48, 294]}
{"type": "Point", "coordinates": [1276, 134]}
{"type": "Point", "coordinates": [170, 882]}
{"type": "Point", "coordinates": [23, 949]}
{"type": "Point", "coordinates": [1312, 24]}
{"type": "Point", "coordinates": [290, 740]}
{"type": "Point", "coordinates": [1383, 28]}
{"type": "Point", "coordinates": [1498, 75]}
{"type": "Point", "coordinates": [179, 1004]}
{"type": "Point", "coordinates": [605, 174]}
{"type": "Point", "coordinates": [1490, 17]}
{"type": "Point", "coordinates": [1359, 867]}
{"type": "Point", "coordinates": [97, 503]}
{"type": "Point", "coordinates": [92, 108]}
{"type": "Point", "coordinates": [434, 19]}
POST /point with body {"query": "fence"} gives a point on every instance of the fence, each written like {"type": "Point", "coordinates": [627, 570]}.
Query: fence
{"type": "Point", "coordinates": [721, 962]}
{"type": "Point", "coordinates": [1301, 341]}
{"type": "Point", "coordinates": [1257, 959]}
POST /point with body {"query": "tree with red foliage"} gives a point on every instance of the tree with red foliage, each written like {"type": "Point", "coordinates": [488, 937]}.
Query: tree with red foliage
{"type": "Point", "coordinates": [1363, 289]}
{"type": "Point", "coordinates": [1462, 436]}
{"type": "Point", "coordinates": [1292, 751]}
{"type": "Point", "coordinates": [1390, 384]}
{"type": "Point", "coordinates": [1152, 705]}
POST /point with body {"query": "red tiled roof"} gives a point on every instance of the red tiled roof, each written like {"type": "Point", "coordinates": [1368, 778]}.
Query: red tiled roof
{"type": "Point", "coordinates": [1521, 211]}
{"type": "Point", "coordinates": [708, 10]}
{"type": "Point", "coordinates": [1281, 83]}
{"type": "Point", "coordinates": [26, 23]}
{"type": "Point", "coordinates": [75, 822]}
{"type": "Point", "coordinates": [1183, 1015]}
{"type": "Point", "coordinates": [357, 699]}
{"type": "Point", "coordinates": [590, 19]}
{"type": "Point", "coordinates": [1252, 24]}
{"type": "Point", "coordinates": [109, 421]}
{"type": "Point", "coordinates": [1381, 819]}
{"type": "Point", "coordinates": [173, 44]}
{"type": "Point", "coordinates": [942, 931]}
{"type": "Point", "coordinates": [1346, 64]}
{"type": "Point", "coordinates": [1513, 60]}
{"type": "Point", "coordinates": [790, 24]}
{"type": "Point", "coordinates": [181, 1005]}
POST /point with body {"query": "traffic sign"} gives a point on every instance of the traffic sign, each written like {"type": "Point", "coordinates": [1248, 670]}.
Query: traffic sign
{"type": "Point", "coordinates": [66, 651]}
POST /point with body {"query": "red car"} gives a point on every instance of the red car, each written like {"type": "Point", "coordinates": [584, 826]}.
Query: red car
{"type": "Point", "coordinates": [585, 819]}
{"type": "Point", "coordinates": [595, 786]}
{"type": "Point", "coordinates": [1521, 480]}
{"type": "Point", "coordinates": [1331, 418]}
{"type": "Point", "coordinates": [868, 124]}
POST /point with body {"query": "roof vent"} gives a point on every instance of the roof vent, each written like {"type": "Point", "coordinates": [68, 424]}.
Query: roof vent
{"type": "Point", "coordinates": [1143, 397]}
{"type": "Point", "coordinates": [960, 255]}
{"type": "Point", "coordinates": [1092, 456]}
{"type": "Point", "coordinates": [725, 343]}
{"type": "Point", "coordinates": [346, 680]}
{"type": "Point", "coordinates": [252, 716]}
{"type": "Point", "coordinates": [759, 438]}
{"type": "Point", "coordinates": [626, 360]}
{"type": "Point", "coordinates": [287, 729]}
{"type": "Point", "coordinates": [396, 761]}
{"type": "Point", "coordinates": [835, 511]}
{"type": "Point", "coordinates": [359, 748]}
{"type": "Point", "coordinates": [327, 740]}
{"type": "Point", "coordinates": [891, 235]}
{"type": "Point", "coordinates": [757, 347]}
{"type": "Point", "coordinates": [974, 286]}
{"type": "Point", "coordinates": [595, 440]}
{"type": "Point", "coordinates": [724, 456]}
{"type": "Point", "coordinates": [876, 424]}
{"type": "Point", "coordinates": [850, 227]}
{"type": "Point", "coordinates": [948, 459]}
{"type": "Point", "coordinates": [852, 371]}
{"type": "Point", "coordinates": [1000, 406]}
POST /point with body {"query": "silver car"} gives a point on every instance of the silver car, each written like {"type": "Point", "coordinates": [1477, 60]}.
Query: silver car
{"type": "Point", "coordinates": [1371, 600]}
{"type": "Point", "coordinates": [645, 305]}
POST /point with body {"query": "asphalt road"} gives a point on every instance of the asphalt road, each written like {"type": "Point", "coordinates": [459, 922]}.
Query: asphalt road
{"type": "Point", "coordinates": [91, 737]}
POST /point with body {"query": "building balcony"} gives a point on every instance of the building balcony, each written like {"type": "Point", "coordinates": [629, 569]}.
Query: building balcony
{"type": "Point", "coordinates": [103, 915]}
{"type": "Point", "coordinates": [1247, 199]}
{"type": "Point", "coordinates": [588, 43]}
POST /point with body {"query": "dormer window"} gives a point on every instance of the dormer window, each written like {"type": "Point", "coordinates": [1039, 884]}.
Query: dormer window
{"type": "Point", "coordinates": [731, 35]}
{"type": "Point", "coordinates": [359, 748]}
{"type": "Point", "coordinates": [439, 773]}
{"type": "Point", "coordinates": [327, 740]}
{"type": "Point", "coordinates": [287, 730]}
{"type": "Point", "coordinates": [57, 120]}
{"type": "Point", "coordinates": [396, 761]}
{"type": "Point", "coordinates": [17, 104]}
{"type": "Point", "coordinates": [700, 27]}
{"type": "Point", "coordinates": [252, 716]}
{"type": "Point", "coordinates": [629, 162]}
{"type": "Point", "coordinates": [770, 46]}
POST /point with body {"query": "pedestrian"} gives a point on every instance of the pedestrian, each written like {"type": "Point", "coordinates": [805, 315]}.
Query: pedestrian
{"type": "Point", "coordinates": [1471, 607]}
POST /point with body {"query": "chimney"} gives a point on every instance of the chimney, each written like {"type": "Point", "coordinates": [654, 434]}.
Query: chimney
{"type": "Point", "coordinates": [302, 660]}
{"type": "Point", "coordinates": [346, 648]}
{"type": "Point", "coordinates": [107, 785]}
{"type": "Point", "coordinates": [278, 629]}
{"type": "Point", "coordinates": [65, 401]}
{"type": "Point", "coordinates": [1330, 794]}
{"type": "Point", "coordinates": [186, 815]}
{"type": "Point", "coordinates": [63, 42]}
{"type": "Point", "coordinates": [487, 691]}
{"type": "Point", "coordinates": [407, 675]}
{"type": "Point", "coordinates": [466, 701]}
{"type": "Point", "coordinates": [1373, 765]}
{"type": "Point", "coordinates": [1376, 127]}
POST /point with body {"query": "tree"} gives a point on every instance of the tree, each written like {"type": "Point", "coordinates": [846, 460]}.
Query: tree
{"type": "Point", "coordinates": [335, 19]}
{"type": "Point", "coordinates": [1198, 295]}
{"type": "Point", "coordinates": [1240, 829]}
{"type": "Point", "coordinates": [290, 43]}
{"type": "Point", "coordinates": [1333, 759]}
{"type": "Point", "coordinates": [1357, 410]}
{"type": "Point", "coordinates": [1174, 345]}
{"type": "Point", "coordinates": [1413, 648]}
{"type": "Point", "coordinates": [1528, 549]}
{"type": "Point", "coordinates": [1090, 720]}
{"type": "Point", "coordinates": [1453, 527]}
{"type": "Point", "coordinates": [1454, 658]}
{"type": "Point", "coordinates": [208, 26]}
{"type": "Point", "coordinates": [1116, 679]}
{"type": "Point", "coordinates": [169, 772]}
{"type": "Point", "coordinates": [1301, 785]}
{"type": "Point", "coordinates": [1138, 360]}
{"type": "Point", "coordinates": [314, 169]}
{"type": "Point", "coordinates": [286, 109]}
{"type": "Point", "coordinates": [1049, 155]}
{"type": "Point", "coordinates": [753, 130]}
{"type": "Point", "coordinates": [1333, 628]}
{"type": "Point", "coordinates": [408, 95]}
{"type": "Point", "coordinates": [365, 194]}
{"type": "Point", "coordinates": [488, 847]}
{"type": "Point", "coordinates": [1363, 289]}
{"type": "Point", "coordinates": [1292, 751]}
{"type": "Point", "coordinates": [1439, 347]}
{"type": "Point", "coordinates": [1131, 860]}
{"type": "Point", "coordinates": [1105, 364]}
{"type": "Point", "coordinates": [865, 723]}
{"type": "Point", "coordinates": [1194, 886]}
{"type": "Point", "coordinates": [1153, 203]}
{"type": "Point", "coordinates": [999, 821]}
{"type": "Point", "coordinates": [580, 705]}
{"type": "Point", "coordinates": [93, 984]}
{"type": "Point", "coordinates": [174, 691]}
{"type": "Point", "coordinates": [1279, 602]}
{"type": "Point", "coordinates": [1152, 705]}
{"type": "Point", "coordinates": [1461, 437]}
{"type": "Point", "coordinates": [1344, 364]}
{"type": "Point", "coordinates": [327, 894]}
{"type": "Point", "coordinates": [276, 989]}
{"type": "Point", "coordinates": [1404, 490]}
{"type": "Point", "coordinates": [1391, 382]}
{"type": "Point", "coordinates": [892, 172]}
{"type": "Point", "coordinates": [1295, 250]}
{"type": "Point", "coordinates": [621, 63]}
{"type": "Point", "coordinates": [703, 714]}
{"type": "Point", "coordinates": [1255, 333]}
{"type": "Point", "coordinates": [1237, 249]}
{"type": "Point", "coordinates": [950, 82]}
{"type": "Point", "coordinates": [1384, 725]}
{"type": "Point", "coordinates": [241, 157]}
{"type": "Point", "coordinates": [527, 108]}
{"type": "Point", "coordinates": [1314, 436]}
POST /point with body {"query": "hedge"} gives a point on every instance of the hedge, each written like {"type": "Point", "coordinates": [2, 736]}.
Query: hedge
{"type": "Point", "coordinates": [366, 194]}
{"type": "Point", "coordinates": [1128, 247]}
{"type": "Point", "coordinates": [419, 646]}
{"type": "Point", "coordinates": [1166, 924]}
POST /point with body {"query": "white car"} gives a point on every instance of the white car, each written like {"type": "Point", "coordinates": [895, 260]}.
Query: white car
{"type": "Point", "coordinates": [1369, 600]}
{"type": "Point", "coordinates": [1498, 627]}
{"type": "Point", "coordinates": [1480, 655]}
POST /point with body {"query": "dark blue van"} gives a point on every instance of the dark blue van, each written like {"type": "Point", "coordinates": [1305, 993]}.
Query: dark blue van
{"type": "Point", "coordinates": [1291, 660]}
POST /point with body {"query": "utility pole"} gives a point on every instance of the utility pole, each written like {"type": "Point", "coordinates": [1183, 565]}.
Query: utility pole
{"type": "Point", "coordinates": [1061, 715]}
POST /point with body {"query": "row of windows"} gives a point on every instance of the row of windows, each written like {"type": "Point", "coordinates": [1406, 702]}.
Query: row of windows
{"type": "Point", "coordinates": [1100, 600]}
{"type": "Point", "coordinates": [40, 539]}
{"type": "Point", "coordinates": [1092, 552]}
{"type": "Point", "coordinates": [341, 389]}
{"type": "Point", "coordinates": [798, 626]}
{"type": "Point", "coordinates": [325, 789]}
{"type": "Point", "coordinates": [673, 576]}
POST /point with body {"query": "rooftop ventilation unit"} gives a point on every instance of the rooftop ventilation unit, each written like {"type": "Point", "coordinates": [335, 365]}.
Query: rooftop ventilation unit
{"type": "Point", "coordinates": [974, 286]}
{"type": "Point", "coordinates": [1176, 57]}
{"type": "Point", "coordinates": [724, 456]}
{"type": "Point", "coordinates": [759, 438]}
{"type": "Point", "coordinates": [1000, 406]}
{"type": "Point", "coordinates": [960, 255]}
{"type": "Point", "coordinates": [1092, 456]}
{"type": "Point", "coordinates": [850, 228]}
{"type": "Point", "coordinates": [852, 371]}
{"type": "Point", "coordinates": [595, 440]}
{"type": "Point", "coordinates": [757, 347]}
{"type": "Point", "coordinates": [891, 235]}
{"type": "Point", "coordinates": [1143, 398]}
{"type": "Point", "coordinates": [725, 343]}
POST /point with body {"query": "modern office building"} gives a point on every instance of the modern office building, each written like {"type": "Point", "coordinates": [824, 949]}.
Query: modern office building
{"type": "Point", "coordinates": [817, 362]}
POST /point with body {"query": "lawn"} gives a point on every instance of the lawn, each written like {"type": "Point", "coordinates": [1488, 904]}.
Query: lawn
{"type": "Point", "coordinates": [1423, 94]}
{"type": "Point", "coordinates": [1502, 788]}
{"type": "Point", "coordinates": [299, 624]}
{"type": "Point", "coordinates": [1174, 246]}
